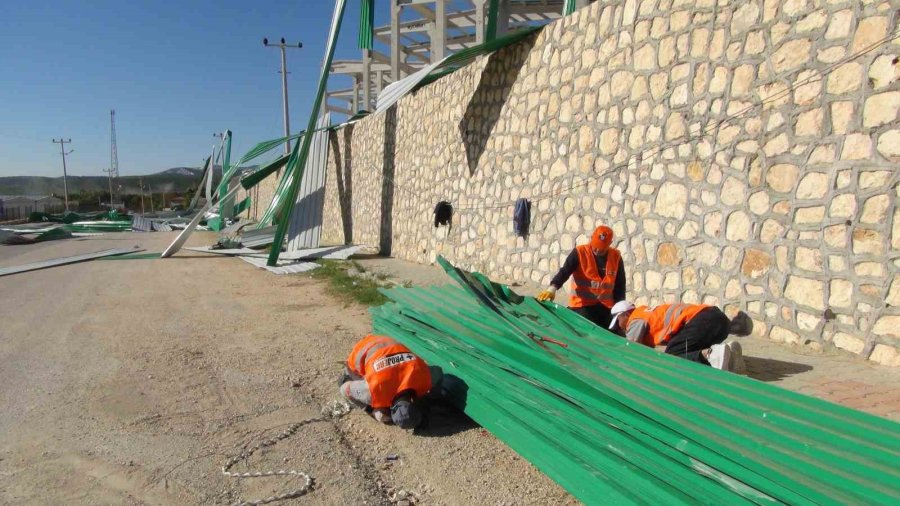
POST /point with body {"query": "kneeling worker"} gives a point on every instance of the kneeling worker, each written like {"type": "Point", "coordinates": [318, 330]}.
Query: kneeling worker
{"type": "Point", "coordinates": [691, 331]}
{"type": "Point", "coordinates": [386, 379]}
{"type": "Point", "coordinates": [598, 278]}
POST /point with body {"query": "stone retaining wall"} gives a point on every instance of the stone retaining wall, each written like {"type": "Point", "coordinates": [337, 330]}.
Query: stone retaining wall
{"type": "Point", "coordinates": [741, 151]}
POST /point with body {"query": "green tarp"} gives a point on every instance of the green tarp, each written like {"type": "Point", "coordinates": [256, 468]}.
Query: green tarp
{"type": "Point", "coordinates": [618, 423]}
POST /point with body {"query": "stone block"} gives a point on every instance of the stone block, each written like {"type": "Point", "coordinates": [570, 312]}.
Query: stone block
{"type": "Point", "coordinates": [869, 179]}
{"type": "Point", "coordinates": [620, 84]}
{"type": "Point", "coordinates": [814, 185]}
{"type": "Point", "coordinates": [866, 241]}
{"type": "Point", "coordinates": [782, 177]}
{"type": "Point", "coordinates": [791, 55]}
{"type": "Point", "coordinates": [822, 154]}
{"type": "Point", "coordinates": [756, 263]}
{"type": "Point", "coordinates": [733, 192]}
{"type": "Point", "coordinates": [869, 31]}
{"type": "Point", "coordinates": [809, 215]}
{"type": "Point", "coordinates": [645, 58]}
{"type": "Point", "coordinates": [847, 342]}
{"type": "Point", "coordinates": [857, 147]}
{"type": "Point", "coordinates": [805, 291]}
{"type": "Point", "coordinates": [841, 116]}
{"type": "Point", "coordinates": [881, 109]}
{"type": "Point", "coordinates": [845, 78]}
{"type": "Point", "coordinates": [783, 335]}
{"type": "Point", "coordinates": [744, 18]}
{"type": "Point", "coordinates": [885, 355]}
{"type": "Point", "coordinates": [738, 227]}
{"type": "Point", "coordinates": [889, 145]}
{"type": "Point", "coordinates": [777, 146]}
{"type": "Point", "coordinates": [842, 206]}
{"type": "Point", "coordinates": [675, 127]}
{"type": "Point", "coordinates": [668, 254]}
{"type": "Point", "coordinates": [759, 203]}
{"type": "Point", "coordinates": [893, 297]}
{"type": "Point", "coordinates": [808, 258]}
{"type": "Point", "coordinates": [875, 209]}
{"type": "Point", "coordinates": [770, 231]}
{"type": "Point", "coordinates": [809, 123]}
{"type": "Point", "coordinates": [839, 25]}
{"type": "Point", "coordinates": [653, 280]}
{"type": "Point", "coordinates": [671, 200]}
{"type": "Point", "coordinates": [883, 71]}
{"type": "Point", "coordinates": [869, 269]}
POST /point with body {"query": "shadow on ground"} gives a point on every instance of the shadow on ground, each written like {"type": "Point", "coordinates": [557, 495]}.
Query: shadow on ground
{"type": "Point", "coordinates": [768, 369]}
{"type": "Point", "coordinates": [445, 421]}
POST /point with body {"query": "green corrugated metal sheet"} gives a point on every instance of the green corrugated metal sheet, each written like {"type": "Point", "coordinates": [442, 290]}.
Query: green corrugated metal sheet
{"type": "Point", "coordinates": [619, 423]}
{"type": "Point", "coordinates": [297, 162]}
{"type": "Point", "coordinates": [569, 7]}
{"type": "Point", "coordinates": [490, 31]}
{"type": "Point", "coordinates": [366, 23]}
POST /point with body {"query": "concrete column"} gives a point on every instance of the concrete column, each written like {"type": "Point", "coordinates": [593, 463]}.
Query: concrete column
{"type": "Point", "coordinates": [438, 33]}
{"type": "Point", "coordinates": [379, 82]}
{"type": "Point", "coordinates": [479, 21]}
{"type": "Point", "coordinates": [367, 79]}
{"type": "Point", "coordinates": [396, 73]}
{"type": "Point", "coordinates": [355, 103]}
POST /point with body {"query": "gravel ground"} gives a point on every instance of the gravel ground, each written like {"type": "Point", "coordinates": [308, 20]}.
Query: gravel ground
{"type": "Point", "coordinates": [131, 382]}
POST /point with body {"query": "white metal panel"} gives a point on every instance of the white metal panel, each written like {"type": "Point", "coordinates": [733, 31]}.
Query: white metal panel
{"type": "Point", "coordinates": [305, 226]}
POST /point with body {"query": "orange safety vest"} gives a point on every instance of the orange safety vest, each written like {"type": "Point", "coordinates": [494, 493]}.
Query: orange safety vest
{"type": "Point", "coordinates": [389, 368]}
{"type": "Point", "coordinates": [663, 321]}
{"type": "Point", "coordinates": [588, 288]}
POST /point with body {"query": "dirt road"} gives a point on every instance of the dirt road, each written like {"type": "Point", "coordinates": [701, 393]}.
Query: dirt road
{"type": "Point", "coordinates": [131, 381]}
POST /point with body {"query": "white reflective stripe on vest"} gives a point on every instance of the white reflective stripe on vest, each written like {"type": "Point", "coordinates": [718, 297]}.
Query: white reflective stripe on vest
{"type": "Point", "coordinates": [377, 345]}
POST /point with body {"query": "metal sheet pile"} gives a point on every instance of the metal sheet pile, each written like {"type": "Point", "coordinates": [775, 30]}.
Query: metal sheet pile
{"type": "Point", "coordinates": [615, 422]}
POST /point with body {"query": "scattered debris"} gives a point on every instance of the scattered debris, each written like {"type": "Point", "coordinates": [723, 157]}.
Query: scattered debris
{"type": "Point", "coordinates": [590, 414]}
{"type": "Point", "coordinates": [66, 260]}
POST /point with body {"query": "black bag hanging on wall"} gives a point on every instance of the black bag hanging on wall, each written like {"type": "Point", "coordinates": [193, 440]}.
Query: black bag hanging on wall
{"type": "Point", "coordinates": [522, 217]}
{"type": "Point", "coordinates": [443, 214]}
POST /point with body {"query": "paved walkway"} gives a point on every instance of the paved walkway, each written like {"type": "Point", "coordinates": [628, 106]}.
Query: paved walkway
{"type": "Point", "coordinates": [832, 374]}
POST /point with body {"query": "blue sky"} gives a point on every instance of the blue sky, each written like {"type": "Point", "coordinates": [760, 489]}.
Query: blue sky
{"type": "Point", "coordinates": [174, 71]}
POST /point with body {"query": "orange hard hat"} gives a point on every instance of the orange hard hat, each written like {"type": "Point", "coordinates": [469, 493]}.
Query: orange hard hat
{"type": "Point", "coordinates": [602, 238]}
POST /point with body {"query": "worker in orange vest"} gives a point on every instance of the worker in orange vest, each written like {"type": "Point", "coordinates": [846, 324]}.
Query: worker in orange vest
{"type": "Point", "coordinates": [692, 331]}
{"type": "Point", "coordinates": [598, 278]}
{"type": "Point", "coordinates": [386, 379]}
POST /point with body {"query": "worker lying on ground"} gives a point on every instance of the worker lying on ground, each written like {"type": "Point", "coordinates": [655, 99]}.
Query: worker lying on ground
{"type": "Point", "coordinates": [598, 278]}
{"type": "Point", "coordinates": [387, 380]}
{"type": "Point", "coordinates": [692, 331]}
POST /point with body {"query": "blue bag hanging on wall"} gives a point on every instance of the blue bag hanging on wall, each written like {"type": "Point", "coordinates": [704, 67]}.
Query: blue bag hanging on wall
{"type": "Point", "coordinates": [522, 217]}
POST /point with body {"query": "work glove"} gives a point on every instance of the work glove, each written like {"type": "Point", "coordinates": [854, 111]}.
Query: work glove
{"type": "Point", "coordinates": [548, 294]}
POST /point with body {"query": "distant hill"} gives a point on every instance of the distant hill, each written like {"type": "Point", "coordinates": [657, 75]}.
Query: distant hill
{"type": "Point", "coordinates": [176, 179]}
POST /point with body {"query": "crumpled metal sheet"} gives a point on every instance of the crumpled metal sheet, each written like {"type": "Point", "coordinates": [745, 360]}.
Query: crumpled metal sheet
{"type": "Point", "coordinates": [283, 267]}
{"type": "Point", "coordinates": [619, 423]}
{"type": "Point", "coordinates": [66, 260]}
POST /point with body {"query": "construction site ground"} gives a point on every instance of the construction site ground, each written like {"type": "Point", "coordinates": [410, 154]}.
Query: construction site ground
{"type": "Point", "coordinates": [132, 381]}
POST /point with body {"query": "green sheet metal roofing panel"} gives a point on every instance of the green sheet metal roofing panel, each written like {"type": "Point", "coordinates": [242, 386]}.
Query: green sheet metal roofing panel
{"type": "Point", "coordinates": [366, 23]}
{"type": "Point", "coordinates": [297, 162]}
{"type": "Point", "coordinates": [616, 422]}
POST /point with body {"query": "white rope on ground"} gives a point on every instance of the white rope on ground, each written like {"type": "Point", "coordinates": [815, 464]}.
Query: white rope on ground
{"type": "Point", "coordinates": [332, 410]}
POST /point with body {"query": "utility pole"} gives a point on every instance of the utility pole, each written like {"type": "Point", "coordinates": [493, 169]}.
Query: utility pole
{"type": "Point", "coordinates": [62, 150]}
{"type": "Point", "coordinates": [150, 187]}
{"type": "Point", "coordinates": [284, 90]}
{"type": "Point", "coordinates": [141, 183]}
{"type": "Point", "coordinates": [113, 170]}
